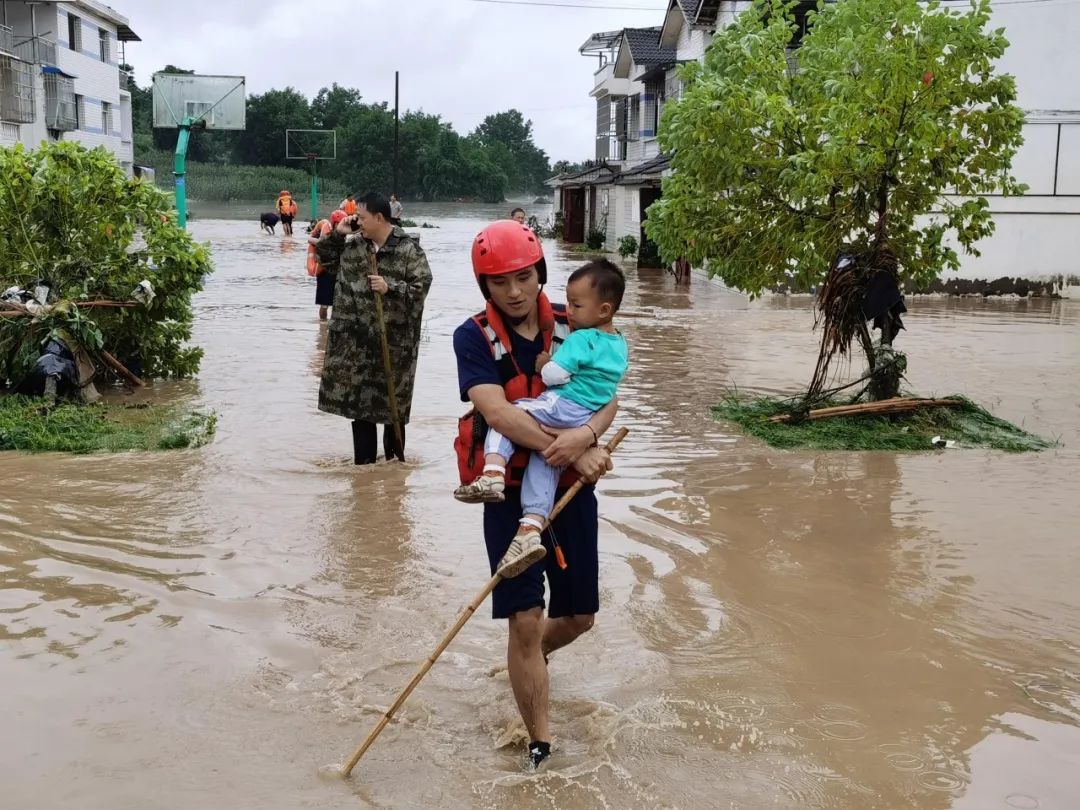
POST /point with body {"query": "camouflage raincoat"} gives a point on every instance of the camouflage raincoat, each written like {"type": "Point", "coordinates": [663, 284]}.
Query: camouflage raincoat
{"type": "Point", "coordinates": [353, 379]}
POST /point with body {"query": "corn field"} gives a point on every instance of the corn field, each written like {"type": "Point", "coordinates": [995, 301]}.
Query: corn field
{"type": "Point", "coordinates": [220, 182]}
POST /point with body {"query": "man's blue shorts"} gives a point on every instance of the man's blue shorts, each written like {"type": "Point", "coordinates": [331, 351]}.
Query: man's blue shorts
{"type": "Point", "coordinates": [575, 591]}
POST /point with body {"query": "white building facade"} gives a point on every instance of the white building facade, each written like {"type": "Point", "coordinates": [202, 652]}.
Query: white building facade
{"type": "Point", "coordinates": [60, 75]}
{"type": "Point", "coordinates": [1037, 236]}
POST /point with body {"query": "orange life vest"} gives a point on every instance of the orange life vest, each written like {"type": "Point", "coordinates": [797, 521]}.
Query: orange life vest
{"type": "Point", "coordinates": [313, 266]}
{"type": "Point", "coordinates": [293, 209]}
{"type": "Point", "coordinates": [284, 202]}
{"type": "Point", "coordinates": [472, 429]}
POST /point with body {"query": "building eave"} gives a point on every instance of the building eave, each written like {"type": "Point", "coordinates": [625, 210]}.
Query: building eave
{"type": "Point", "coordinates": [674, 21]}
{"type": "Point", "coordinates": [101, 11]}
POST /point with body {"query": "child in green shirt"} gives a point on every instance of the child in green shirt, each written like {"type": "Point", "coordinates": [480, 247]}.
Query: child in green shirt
{"type": "Point", "coordinates": [582, 378]}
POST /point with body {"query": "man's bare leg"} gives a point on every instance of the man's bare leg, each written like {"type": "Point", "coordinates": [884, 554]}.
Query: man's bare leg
{"type": "Point", "coordinates": [562, 631]}
{"type": "Point", "coordinates": [528, 674]}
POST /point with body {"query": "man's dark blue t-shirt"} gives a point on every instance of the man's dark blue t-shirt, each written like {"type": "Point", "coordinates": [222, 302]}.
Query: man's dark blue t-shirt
{"type": "Point", "coordinates": [476, 365]}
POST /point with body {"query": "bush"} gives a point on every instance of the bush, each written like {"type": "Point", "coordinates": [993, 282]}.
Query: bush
{"type": "Point", "coordinates": [555, 230]}
{"type": "Point", "coordinates": [595, 239]}
{"type": "Point", "coordinates": [628, 246]}
{"type": "Point", "coordinates": [72, 217]}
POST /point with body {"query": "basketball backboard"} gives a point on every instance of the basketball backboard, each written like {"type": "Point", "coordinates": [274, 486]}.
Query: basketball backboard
{"type": "Point", "coordinates": [219, 102]}
{"type": "Point", "coordinates": [310, 144]}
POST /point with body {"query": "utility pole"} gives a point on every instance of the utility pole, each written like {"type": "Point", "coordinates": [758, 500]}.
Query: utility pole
{"type": "Point", "coordinates": [396, 121]}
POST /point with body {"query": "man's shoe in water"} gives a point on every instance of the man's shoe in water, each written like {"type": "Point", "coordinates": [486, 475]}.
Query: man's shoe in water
{"type": "Point", "coordinates": [538, 752]}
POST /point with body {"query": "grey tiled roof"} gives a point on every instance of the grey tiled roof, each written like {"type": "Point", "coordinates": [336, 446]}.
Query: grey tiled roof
{"type": "Point", "coordinates": [645, 46]}
{"type": "Point", "coordinates": [649, 170]}
{"type": "Point", "coordinates": [690, 8]}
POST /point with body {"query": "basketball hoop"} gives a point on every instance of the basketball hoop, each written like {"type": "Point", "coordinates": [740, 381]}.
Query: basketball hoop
{"type": "Point", "coordinates": [311, 146]}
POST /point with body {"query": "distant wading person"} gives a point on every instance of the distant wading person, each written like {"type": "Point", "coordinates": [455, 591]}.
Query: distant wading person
{"type": "Point", "coordinates": [286, 208]}
{"type": "Point", "coordinates": [353, 379]}
{"type": "Point", "coordinates": [268, 221]}
{"type": "Point", "coordinates": [518, 215]}
{"type": "Point", "coordinates": [325, 272]}
{"type": "Point", "coordinates": [396, 209]}
{"type": "Point", "coordinates": [497, 351]}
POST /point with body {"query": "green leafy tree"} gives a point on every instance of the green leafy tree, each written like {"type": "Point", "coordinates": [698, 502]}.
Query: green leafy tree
{"type": "Point", "coordinates": [784, 160]}
{"type": "Point", "coordinates": [262, 143]}
{"type": "Point", "coordinates": [509, 139]}
{"type": "Point", "coordinates": [72, 217]}
{"type": "Point", "coordinates": [334, 106]}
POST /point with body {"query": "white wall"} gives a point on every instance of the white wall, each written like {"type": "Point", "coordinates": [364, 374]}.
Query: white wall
{"type": "Point", "coordinates": [1042, 53]}
{"type": "Point", "coordinates": [629, 219]}
{"type": "Point", "coordinates": [96, 81]}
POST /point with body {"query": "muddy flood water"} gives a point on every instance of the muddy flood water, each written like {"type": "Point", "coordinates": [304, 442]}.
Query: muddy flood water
{"type": "Point", "coordinates": [208, 628]}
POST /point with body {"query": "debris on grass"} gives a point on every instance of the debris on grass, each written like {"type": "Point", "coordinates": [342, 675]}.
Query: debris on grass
{"type": "Point", "coordinates": [966, 424]}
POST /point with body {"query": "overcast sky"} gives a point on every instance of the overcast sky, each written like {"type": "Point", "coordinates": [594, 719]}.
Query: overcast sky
{"type": "Point", "coordinates": [461, 59]}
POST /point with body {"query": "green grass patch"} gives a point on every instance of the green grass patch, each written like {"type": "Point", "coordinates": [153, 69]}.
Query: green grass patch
{"type": "Point", "coordinates": [222, 182]}
{"type": "Point", "coordinates": [100, 428]}
{"type": "Point", "coordinates": [968, 425]}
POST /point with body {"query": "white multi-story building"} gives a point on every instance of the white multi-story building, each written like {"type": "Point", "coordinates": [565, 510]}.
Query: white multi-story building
{"type": "Point", "coordinates": [60, 76]}
{"type": "Point", "coordinates": [1037, 236]}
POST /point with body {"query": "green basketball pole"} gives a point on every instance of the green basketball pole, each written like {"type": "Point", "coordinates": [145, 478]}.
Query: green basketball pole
{"type": "Point", "coordinates": [180, 170]}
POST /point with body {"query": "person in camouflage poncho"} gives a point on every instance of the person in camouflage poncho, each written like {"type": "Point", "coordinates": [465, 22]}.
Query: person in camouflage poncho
{"type": "Point", "coordinates": [353, 378]}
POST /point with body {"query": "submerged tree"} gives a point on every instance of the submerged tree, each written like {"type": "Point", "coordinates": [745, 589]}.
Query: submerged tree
{"type": "Point", "coordinates": [824, 167]}
{"type": "Point", "coordinates": [72, 219]}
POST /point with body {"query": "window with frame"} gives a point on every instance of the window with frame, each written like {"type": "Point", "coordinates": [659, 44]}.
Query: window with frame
{"type": "Point", "coordinates": [74, 33]}
{"type": "Point", "coordinates": [106, 117]}
{"type": "Point", "coordinates": [635, 117]}
{"type": "Point", "coordinates": [104, 45]}
{"type": "Point", "coordinates": [80, 112]}
{"type": "Point", "coordinates": [60, 103]}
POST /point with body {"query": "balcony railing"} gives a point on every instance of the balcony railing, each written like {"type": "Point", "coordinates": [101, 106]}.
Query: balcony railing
{"type": "Point", "coordinates": [7, 40]}
{"type": "Point", "coordinates": [125, 79]}
{"type": "Point", "coordinates": [36, 50]}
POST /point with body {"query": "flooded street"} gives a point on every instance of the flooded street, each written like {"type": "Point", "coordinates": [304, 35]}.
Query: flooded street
{"type": "Point", "coordinates": [208, 628]}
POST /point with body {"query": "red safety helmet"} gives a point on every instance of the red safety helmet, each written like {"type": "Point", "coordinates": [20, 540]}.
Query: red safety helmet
{"type": "Point", "coordinates": [337, 216]}
{"type": "Point", "coordinates": [504, 247]}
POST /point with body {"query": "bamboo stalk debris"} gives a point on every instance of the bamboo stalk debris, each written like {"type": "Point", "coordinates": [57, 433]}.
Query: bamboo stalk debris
{"type": "Point", "coordinates": [881, 408]}
{"type": "Point", "coordinates": [19, 311]}
{"type": "Point", "coordinates": [121, 369]}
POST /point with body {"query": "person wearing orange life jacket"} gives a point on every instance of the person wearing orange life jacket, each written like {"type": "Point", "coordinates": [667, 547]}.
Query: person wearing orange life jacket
{"type": "Point", "coordinates": [287, 209]}
{"type": "Point", "coordinates": [497, 352]}
{"type": "Point", "coordinates": [325, 274]}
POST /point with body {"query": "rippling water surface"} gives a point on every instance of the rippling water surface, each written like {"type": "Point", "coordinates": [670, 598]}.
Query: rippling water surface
{"type": "Point", "coordinates": [778, 629]}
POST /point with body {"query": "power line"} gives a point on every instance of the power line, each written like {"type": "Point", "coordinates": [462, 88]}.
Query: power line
{"type": "Point", "coordinates": [651, 10]}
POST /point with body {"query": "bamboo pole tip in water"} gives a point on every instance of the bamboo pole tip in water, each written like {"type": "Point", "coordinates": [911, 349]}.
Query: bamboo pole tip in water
{"type": "Point", "coordinates": [334, 772]}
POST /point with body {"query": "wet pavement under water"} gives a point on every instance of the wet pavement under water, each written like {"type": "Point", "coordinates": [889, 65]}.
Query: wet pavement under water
{"type": "Point", "coordinates": [208, 628]}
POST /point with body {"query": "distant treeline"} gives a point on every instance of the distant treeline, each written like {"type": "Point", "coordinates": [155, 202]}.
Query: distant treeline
{"type": "Point", "coordinates": [435, 162]}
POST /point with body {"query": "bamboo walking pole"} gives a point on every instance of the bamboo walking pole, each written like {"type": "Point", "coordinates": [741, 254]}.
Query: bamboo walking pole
{"type": "Point", "coordinates": [388, 366]}
{"type": "Point", "coordinates": [470, 609]}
